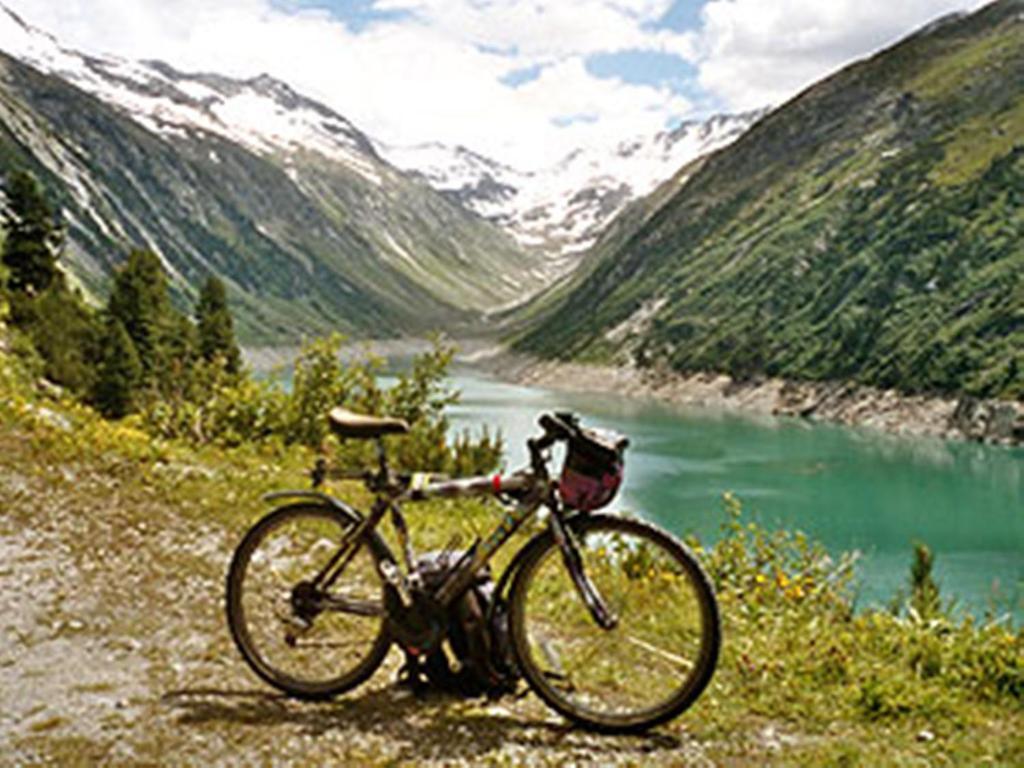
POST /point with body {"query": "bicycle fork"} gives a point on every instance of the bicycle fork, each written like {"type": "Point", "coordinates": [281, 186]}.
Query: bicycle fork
{"type": "Point", "coordinates": [585, 587]}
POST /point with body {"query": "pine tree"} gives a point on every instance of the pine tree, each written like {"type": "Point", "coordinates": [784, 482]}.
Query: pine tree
{"type": "Point", "coordinates": [33, 238]}
{"type": "Point", "coordinates": [216, 328]}
{"type": "Point", "coordinates": [139, 301]}
{"type": "Point", "coordinates": [178, 354]}
{"type": "Point", "coordinates": [118, 371]}
{"type": "Point", "coordinates": [65, 332]}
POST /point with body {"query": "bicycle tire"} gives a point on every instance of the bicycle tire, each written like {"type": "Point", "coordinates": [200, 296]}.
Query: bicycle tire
{"type": "Point", "coordinates": [241, 631]}
{"type": "Point", "coordinates": [531, 632]}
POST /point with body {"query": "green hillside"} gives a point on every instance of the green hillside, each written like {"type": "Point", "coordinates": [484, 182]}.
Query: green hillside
{"type": "Point", "coordinates": [871, 229]}
{"type": "Point", "coordinates": [306, 245]}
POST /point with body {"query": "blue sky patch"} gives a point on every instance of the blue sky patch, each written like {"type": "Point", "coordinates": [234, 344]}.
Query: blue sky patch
{"type": "Point", "coordinates": [681, 16]}
{"type": "Point", "coordinates": [645, 68]}
{"type": "Point", "coordinates": [518, 77]}
{"type": "Point", "coordinates": [357, 15]}
{"type": "Point", "coordinates": [561, 121]}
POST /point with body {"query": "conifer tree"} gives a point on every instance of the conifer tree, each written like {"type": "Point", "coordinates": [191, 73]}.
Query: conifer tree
{"type": "Point", "coordinates": [178, 354]}
{"type": "Point", "coordinates": [216, 328]}
{"type": "Point", "coordinates": [33, 238]}
{"type": "Point", "coordinates": [118, 371]}
{"type": "Point", "coordinates": [139, 301]}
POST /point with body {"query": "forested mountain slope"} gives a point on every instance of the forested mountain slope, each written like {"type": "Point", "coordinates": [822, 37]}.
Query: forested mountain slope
{"type": "Point", "coordinates": [312, 234]}
{"type": "Point", "coordinates": [871, 229]}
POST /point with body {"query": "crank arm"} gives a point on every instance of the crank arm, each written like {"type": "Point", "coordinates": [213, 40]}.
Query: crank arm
{"type": "Point", "coordinates": [294, 628]}
{"type": "Point", "coordinates": [355, 607]}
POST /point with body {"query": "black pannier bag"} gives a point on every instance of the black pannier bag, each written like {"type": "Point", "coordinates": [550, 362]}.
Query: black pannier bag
{"type": "Point", "coordinates": [477, 657]}
{"type": "Point", "coordinates": [593, 469]}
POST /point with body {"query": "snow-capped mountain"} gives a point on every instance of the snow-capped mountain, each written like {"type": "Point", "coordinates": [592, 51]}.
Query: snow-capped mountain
{"type": "Point", "coordinates": [562, 209]}
{"type": "Point", "coordinates": [261, 113]}
{"type": "Point", "coordinates": [277, 193]}
{"type": "Point", "coordinates": [447, 220]}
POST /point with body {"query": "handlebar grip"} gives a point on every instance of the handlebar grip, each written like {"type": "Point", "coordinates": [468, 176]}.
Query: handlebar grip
{"type": "Point", "coordinates": [554, 427]}
{"type": "Point", "coordinates": [537, 444]}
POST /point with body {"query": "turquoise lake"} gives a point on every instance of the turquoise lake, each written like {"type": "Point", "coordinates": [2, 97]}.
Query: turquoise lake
{"type": "Point", "coordinates": [851, 489]}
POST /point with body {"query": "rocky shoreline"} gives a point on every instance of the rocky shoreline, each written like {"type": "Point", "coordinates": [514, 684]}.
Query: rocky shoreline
{"type": "Point", "coordinates": [965, 418]}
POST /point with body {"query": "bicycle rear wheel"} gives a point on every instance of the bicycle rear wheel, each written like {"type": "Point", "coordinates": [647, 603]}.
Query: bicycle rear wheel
{"type": "Point", "coordinates": [309, 643]}
{"type": "Point", "coordinates": [653, 663]}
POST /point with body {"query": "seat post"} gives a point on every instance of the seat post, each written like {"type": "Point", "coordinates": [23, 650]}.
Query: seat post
{"type": "Point", "coordinates": [382, 459]}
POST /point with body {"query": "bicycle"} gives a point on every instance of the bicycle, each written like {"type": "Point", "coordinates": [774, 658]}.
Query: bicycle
{"type": "Point", "coordinates": [613, 622]}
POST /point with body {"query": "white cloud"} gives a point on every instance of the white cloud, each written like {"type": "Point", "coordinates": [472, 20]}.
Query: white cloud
{"type": "Point", "coordinates": [434, 70]}
{"type": "Point", "coordinates": [432, 73]}
{"type": "Point", "coordinates": [753, 52]}
{"type": "Point", "coordinates": [549, 30]}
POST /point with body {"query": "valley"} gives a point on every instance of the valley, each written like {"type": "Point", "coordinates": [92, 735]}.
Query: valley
{"type": "Point", "coordinates": [882, 249]}
{"type": "Point", "coordinates": [806, 314]}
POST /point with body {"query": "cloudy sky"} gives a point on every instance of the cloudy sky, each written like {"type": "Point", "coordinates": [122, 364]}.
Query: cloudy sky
{"type": "Point", "coordinates": [524, 81]}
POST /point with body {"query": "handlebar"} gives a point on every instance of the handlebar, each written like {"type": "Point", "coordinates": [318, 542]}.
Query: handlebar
{"type": "Point", "coordinates": [564, 425]}
{"type": "Point", "coordinates": [557, 427]}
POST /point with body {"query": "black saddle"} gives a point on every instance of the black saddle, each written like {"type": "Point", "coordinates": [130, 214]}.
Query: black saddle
{"type": "Point", "coordinates": [348, 424]}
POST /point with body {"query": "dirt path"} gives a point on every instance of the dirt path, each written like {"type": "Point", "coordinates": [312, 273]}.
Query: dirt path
{"type": "Point", "coordinates": [114, 650]}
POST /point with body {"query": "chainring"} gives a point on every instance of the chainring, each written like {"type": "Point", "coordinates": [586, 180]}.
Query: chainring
{"type": "Point", "coordinates": [419, 627]}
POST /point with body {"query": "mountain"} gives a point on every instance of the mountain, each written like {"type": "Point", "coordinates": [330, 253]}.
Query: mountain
{"type": "Point", "coordinates": [872, 229]}
{"type": "Point", "coordinates": [273, 191]}
{"type": "Point", "coordinates": [561, 210]}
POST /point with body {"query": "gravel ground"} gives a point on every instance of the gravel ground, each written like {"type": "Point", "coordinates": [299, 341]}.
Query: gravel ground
{"type": "Point", "coordinates": [114, 650]}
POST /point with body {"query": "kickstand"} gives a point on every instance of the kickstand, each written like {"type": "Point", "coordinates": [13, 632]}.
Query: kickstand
{"type": "Point", "coordinates": [410, 675]}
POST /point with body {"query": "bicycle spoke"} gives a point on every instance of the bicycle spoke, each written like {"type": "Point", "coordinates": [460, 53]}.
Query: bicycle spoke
{"type": "Point", "coordinates": [661, 652]}
{"type": "Point", "coordinates": [293, 635]}
{"type": "Point", "coordinates": [307, 644]}
{"type": "Point", "coordinates": [656, 657]}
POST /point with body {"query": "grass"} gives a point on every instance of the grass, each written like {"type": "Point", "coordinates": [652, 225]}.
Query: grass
{"type": "Point", "coordinates": [803, 679]}
{"type": "Point", "coordinates": [960, 67]}
{"type": "Point", "coordinates": [976, 144]}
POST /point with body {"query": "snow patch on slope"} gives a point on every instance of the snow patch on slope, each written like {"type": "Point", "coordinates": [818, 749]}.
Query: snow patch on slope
{"type": "Point", "coordinates": [261, 113]}
{"type": "Point", "coordinates": [562, 209]}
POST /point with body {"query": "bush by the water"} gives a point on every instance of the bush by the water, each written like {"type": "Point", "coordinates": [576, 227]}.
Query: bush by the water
{"type": "Point", "coordinates": [796, 644]}
{"type": "Point", "coordinates": [241, 409]}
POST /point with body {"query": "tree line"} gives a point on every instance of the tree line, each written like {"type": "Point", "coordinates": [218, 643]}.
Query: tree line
{"type": "Point", "coordinates": [136, 348]}
{"type": "Point", "coordinates": [182, 376]}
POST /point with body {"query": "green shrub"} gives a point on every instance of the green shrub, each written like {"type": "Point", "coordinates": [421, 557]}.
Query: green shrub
{"type": "Point", "coordinates": [322, 381]}
{"type": "Point", "coordinates": [794, 643]}
{"type": "Point", "coordinates": [231, 409]}
{"type": "Point", "coordinates": [63, 331]}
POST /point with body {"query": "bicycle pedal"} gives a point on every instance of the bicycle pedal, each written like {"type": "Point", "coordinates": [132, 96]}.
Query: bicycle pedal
{"type": "Point", "coordinates": [295, 627]}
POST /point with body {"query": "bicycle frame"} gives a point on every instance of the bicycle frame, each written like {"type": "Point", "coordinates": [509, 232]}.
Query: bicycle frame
{"type": "Point", "coordinates": [535, 495]}
{"type": "Point", "coordinates": [533, 488]}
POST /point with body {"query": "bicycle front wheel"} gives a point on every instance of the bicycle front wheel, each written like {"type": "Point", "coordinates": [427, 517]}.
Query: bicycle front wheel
{"type": "Point", "coordinates": [311, 643]}
{"type": "Point", "coordinates": [657, 658]}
